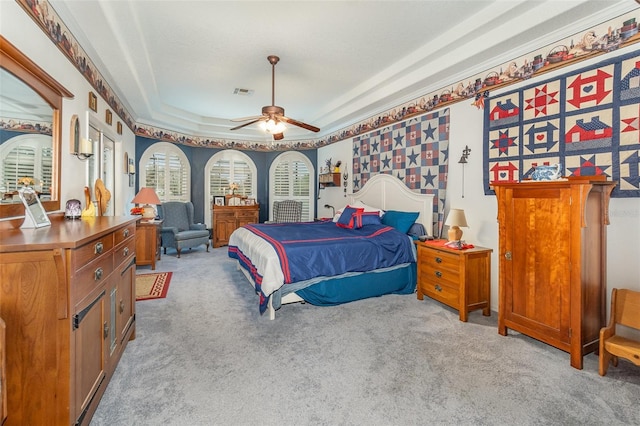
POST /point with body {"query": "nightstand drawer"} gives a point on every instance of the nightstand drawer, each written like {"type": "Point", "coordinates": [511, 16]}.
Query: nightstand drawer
{"type": "Point", "coordinates": [439, 274]}
{"type": "Point", "coordinates": [442, 292]}
{"type": "Point", "coordinates": [439, 260]}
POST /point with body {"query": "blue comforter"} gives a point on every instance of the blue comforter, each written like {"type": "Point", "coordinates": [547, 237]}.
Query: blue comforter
{"type": "Point", "coordinates": [314, 249]}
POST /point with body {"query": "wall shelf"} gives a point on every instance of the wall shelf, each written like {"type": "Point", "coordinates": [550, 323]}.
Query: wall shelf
{"type": "Point", "coordinates": [329, 179]}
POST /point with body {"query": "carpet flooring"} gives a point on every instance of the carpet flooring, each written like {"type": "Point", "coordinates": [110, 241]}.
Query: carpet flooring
{"type": "Point", "coordinates": [204, 356]}
{"type": "Point", "coordinates": [152, 286]}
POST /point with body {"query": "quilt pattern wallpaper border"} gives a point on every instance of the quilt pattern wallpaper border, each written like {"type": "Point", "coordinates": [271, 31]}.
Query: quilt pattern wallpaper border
{"type": "Point", "coordinates": [587, 120]}
{"type": "Point", "coordinates": [416, 151]}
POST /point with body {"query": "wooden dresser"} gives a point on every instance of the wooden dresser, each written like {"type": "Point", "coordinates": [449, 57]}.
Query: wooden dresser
{"type": "Point", "coordinates": [553, 261]}
{"type": "Point", "coordinates": [67, 296]}
{"type": "Point", "coordinates": [460, 279]}
{"type": "Point", "coordinates": [226, 219]}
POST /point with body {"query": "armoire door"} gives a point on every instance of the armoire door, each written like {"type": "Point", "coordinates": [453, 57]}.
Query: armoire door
{"type": "Point", "coordinates": [536, 263]}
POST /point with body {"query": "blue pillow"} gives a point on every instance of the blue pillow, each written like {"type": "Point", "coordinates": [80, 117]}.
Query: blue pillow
{"type": "Point", "coordinates": [402, 221]}
{"type": "Point", "coordinates": [366, 218]}
{"type": "Point", "coordinates": [346, 218]}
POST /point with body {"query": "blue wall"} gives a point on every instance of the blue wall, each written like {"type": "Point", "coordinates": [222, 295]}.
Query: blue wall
{"type": "Point", "coordinates": [198, 158]}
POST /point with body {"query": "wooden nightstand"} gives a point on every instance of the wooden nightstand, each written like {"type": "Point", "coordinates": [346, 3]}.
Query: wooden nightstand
{"type": "Point", "coordinates": [148, 242]}
{"type": "Point", "coordinates": [460, 279]}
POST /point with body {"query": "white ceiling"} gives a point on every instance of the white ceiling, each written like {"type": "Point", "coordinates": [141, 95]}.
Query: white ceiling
{"type": "Point", "coordinates": [175, 64]}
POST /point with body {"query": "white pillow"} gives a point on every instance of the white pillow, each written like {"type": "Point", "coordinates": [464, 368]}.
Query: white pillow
{"type": "Point", "coordinates": [367, 208]}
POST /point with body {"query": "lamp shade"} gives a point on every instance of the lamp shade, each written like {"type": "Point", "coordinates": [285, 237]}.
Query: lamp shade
{"type": "Point", "coordinates": [455, 220]}
{"type": "Point", "coordinates": [147, 196]}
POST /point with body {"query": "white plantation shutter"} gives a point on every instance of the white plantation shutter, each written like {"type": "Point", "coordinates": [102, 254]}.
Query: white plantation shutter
{"type": "Point", "coordinates": [226, 167]}
{"type": "Point", "coordinates": [27, 157]}
{"type": "Point", "coordinates": [226, 170]}
{"type": "Point", "coordinates": [165, 168]}
{"type": "Point", "coordinates": [291, 179]}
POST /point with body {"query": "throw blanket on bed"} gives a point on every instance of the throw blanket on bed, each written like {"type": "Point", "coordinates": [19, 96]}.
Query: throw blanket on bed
{"type": "Point", "coordinates": [316, 249]}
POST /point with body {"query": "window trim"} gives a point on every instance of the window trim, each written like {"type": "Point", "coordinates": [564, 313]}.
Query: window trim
{"type": "Point", "coordinates": [227, 154]}
{"type": "Point", "coordinates": [167, 148]}
{"type": "Point", "coordinates": [293, 156]}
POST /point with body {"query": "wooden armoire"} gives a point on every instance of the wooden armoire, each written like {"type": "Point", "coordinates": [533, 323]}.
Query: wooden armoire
{"type": "Point", "coordinates": [552, 261]}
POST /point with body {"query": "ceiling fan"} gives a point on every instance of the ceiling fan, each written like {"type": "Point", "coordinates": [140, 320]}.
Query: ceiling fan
{"type": "Point", "coordinates": [273, 117]}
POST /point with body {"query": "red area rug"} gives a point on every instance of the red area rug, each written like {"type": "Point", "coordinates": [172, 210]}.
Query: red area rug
{"type": "Point", "coordinates": [152, 286]}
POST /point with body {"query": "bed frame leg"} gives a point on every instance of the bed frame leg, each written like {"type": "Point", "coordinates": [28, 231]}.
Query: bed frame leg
{"type": "Point", "coordinates": [272, 312]}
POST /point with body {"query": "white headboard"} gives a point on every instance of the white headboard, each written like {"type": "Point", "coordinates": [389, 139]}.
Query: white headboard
{"type": "Point", "coordinates": [389, 193]}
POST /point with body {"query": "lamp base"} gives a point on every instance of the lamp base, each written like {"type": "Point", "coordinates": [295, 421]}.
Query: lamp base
{"type": "Point", "coordinates": [149, 212]}
{"type": "Point", "coordinates": [455, 233]}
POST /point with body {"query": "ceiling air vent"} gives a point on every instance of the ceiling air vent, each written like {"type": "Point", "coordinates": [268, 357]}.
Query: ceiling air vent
{"type": "Point", "coordinates": [242, 92]}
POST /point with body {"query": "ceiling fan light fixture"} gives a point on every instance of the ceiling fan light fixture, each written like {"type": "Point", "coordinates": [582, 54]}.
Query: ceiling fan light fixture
{"type": "Point", "coordinates": [272, 126]}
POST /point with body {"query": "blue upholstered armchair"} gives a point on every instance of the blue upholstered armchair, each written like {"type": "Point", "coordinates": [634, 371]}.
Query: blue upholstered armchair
{"type": "Point", "coordinates": [178, 229]}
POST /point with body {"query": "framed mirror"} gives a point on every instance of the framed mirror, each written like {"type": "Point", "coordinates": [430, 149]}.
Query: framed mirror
{"type": "Point", "coordinates": [30, 109]}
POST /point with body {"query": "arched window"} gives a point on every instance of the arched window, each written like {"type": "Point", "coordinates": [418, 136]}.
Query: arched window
{"type": "Point", "coordinates": [222, 169]}
{"type": "Point", "coordinates": [291, 177]}
{"type": "Point", "coordinates": [26, 156]}
{"type": "Point", "coordinates": [165, 168]}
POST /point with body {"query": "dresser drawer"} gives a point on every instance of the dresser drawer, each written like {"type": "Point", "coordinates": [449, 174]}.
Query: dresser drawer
{"type": "Point", "coordinates": [224, 215]}
{"type": "Point", "coordinates": [123, 233]}
{"type": "Point", "coordinates": [91, 251]}
{"type": "Point", "coordinates": [123, 251]}
{"type": "Point", "coordinates": [244, 215]}
{"type": "Point", "coordinates": [92, 275]}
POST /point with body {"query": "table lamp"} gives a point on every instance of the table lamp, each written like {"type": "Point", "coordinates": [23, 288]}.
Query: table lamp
{"type": "Point", "coordinates": [147, 196]}
{"type": "Point", "coordinates": [455, 220]}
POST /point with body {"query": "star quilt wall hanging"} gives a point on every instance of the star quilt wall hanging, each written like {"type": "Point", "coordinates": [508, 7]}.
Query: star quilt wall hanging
{"type": "Point", "coordinates": [416, 151]}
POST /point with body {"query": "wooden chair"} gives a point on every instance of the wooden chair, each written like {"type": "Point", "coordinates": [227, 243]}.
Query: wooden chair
{"type": "Point", "coordinates": [625, 310]}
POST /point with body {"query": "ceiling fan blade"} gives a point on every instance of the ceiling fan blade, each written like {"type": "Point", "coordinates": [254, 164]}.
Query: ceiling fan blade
{"type": "Point", "coordinates": [254, 117]}
{"type": "Point", "coordinates": [278, 136]}
{"type": "Point", "coordinates": [299, 123]}
{"type": "Point", "coordinates": [246, 124]}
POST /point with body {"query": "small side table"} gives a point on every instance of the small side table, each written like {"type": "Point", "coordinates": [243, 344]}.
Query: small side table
{"type": "Point", "coordinates": [460, 279]}
{"type": "Point", "coordinates": [148, 242]}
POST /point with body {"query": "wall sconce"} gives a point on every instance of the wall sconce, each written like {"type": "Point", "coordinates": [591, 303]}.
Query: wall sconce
{"type": "Point", "coordinates": [454, 221]}
{"type": "Point", "coordinates": [345, 180]}
{"type": "Point", "coordinates": [85, 149]}
{"type": "Point", "coordinates": [463, 160]}
{"type": "Point", "coordinates": [333, 210]}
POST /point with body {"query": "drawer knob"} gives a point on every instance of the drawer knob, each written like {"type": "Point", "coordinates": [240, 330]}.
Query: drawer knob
{"type": "Point", "coordinates": [126, 232]}
{"type": "Point", "coordinates": [437, 287]}
{"type": "Point", "coordinates": [97, 275]}
{"type": "Point", "coordinates": [125, 252]}
{"type": "Point", "coordinates": [507, 255]}
{"type": "Point", "coordinates": [438, 260]}
{"type": "Point", "coordinates": [438, 274]}
{"type": "Point", "coordinates": [98, 248]}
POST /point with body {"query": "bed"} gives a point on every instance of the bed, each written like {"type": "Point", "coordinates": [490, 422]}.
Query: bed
{"type": "Point", "coordinates": [280, 260]}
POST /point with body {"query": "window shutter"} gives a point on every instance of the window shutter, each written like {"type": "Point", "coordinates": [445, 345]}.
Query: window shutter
{"type": "Point", "coordinates": [225, 171]}
{"type": "Point", "coordinates": [20, 162]}
{"type": "Point", "coordinates": [291, 181]}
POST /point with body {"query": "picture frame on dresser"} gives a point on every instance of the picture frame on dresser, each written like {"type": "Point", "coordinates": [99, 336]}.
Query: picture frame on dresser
{"type": "Point", "coordinates": [35, 215]}
{"type": "Point", "coordinates": [218, 201]}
